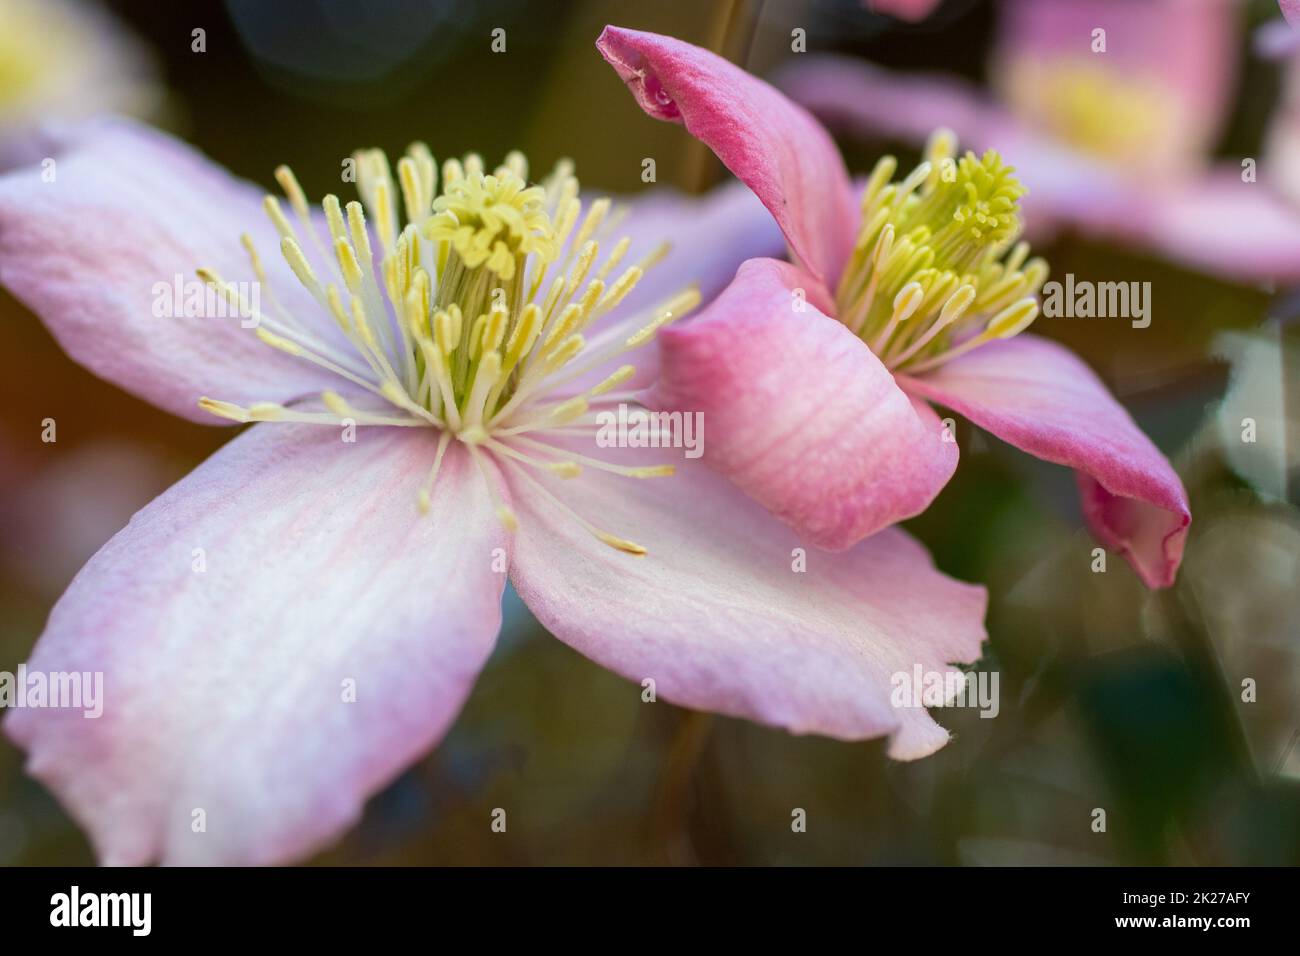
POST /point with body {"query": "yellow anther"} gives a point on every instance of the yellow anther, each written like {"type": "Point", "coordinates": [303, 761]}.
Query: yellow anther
{"type": "Point", "coordinates": [412, 191]}
{"type": "Point", "coordinates": [297, 199]}
{"type": "Point", "coordinates": [507, 518]}
{"type": "Point", "coordinates": [908, 300]}
{"type": "Point", "coordinates": [298, 263]}
{"type": "Point", "coordinates": [957, 305]}
{"type": "Point", "coordinates": [349, 266]}
{"type": "Point", "coordinates": [360, 235]}
{"type": "Point", "coordinates": [224, 409]}
{"type": "Point", "coordinates": [652, 471]}
{"type": "Point", "coordinates": [618, 377]}
{"type": "Point", "coordinates": [621, 544]}
{"type": "Point", "coordinates": [568, 349]}
{"type": "Point", "coordinates": [580, 268]}
{"type": "Point", "coordinates": [278, 219]}
{"type": "Point", "coordinates": [474, 435]}
{"type": "Point", "coordinates": [336, 404]}
{"type": "Point", "coordinates": [680, 304]}
{"type": "Point", "coordinates": [656, 256]}
{"type": "Point", "coordinates": [880, 177]}
{"type": "Point", "coordinates": [337, 310]}
{"type": "Point", "coordinates": [278, 342]}
{"type": "Point", "coordinates": [569, 411]}
{"type": "Point", "coordinates": [265, 411]}
{"type": "Point", "coordinates": [384, 215]}
{"type": "Point", "coordinates": [615, 257]}
{"type": "Point", "coordinates": [563, 326]}
{"type": "Point", "coordinates": [595, 216]}
{"type": "Point", "coordinates": [1014, 319]}
{"type": "Point", "coordinates": [362, 324]}
{"type": "Point", "coordinates": [334, 217]}
{"type": "Point", "coordinates": [254, 259]}
{"type": "Point", "coordinates": [446, 332]}
{"type": "Point", "coordinates": [619, 290]}
{"type": "Point", "coordinates": [394, 393]}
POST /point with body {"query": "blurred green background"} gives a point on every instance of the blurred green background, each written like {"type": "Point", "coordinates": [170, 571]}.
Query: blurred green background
{"type": "Point", "coordinates": [1112, 697]}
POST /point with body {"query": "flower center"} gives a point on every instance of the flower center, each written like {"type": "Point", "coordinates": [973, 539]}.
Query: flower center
{"type": "Point", "coordinates": [23, 64]}
{"type": "Point", "coordinates": [473, 318]}
{"type": "Point", "coordinates": [1121, 117]}
{"type": "Point", "coordinates": [936, 270]}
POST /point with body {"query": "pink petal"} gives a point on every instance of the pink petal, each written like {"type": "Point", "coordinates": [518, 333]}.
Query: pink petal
{"type": "Point", "coordinates": [903, 9]}
{"type": "Point", "coordinates": [799, 413]}
{"type": "Point", "coordinates": [709, 237]}
{"type": "Point", "coordinates": [1064, 185]}
{"type": "Point", "coordinates": [131, 207]}
{"type": "Point", "coordinates": [1186, 50]}
{"type": "Point", "coordinates": [852, 95]}
{"type": "Point", "coordinates": [223, 690]}
{"type": "Point", "coordinates": [718, 618]}
{"type": "Point", "coordinates": [1222, 225]}
{"type": "Point", "coordinates": [1041, 398]}
{"type": "Point", "coordinates": [772, 145]}
{"type": "Point", "coordinates": [1290, 10]}
{"type": "Point", "coordinates": [1276, 40]}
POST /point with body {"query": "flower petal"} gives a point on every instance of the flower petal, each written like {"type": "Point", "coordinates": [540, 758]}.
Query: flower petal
{"type": "Point", "coordinates": [88, 63]}
{"type": "Point", "coordinates": [912, 10]}
{"type": "Point", "coordinates": [131, 208]}
{"type": "Point", "coordinates": [718, 616]}
{"type": "Point", "coordinates": [771, 144]}
{"type": "Point", "coordinates": [1041, 398]}
{"type": "Point", "coordinates": [1172, 60]}
{"type": "Point", "coordinates": [1222, 225]}
{"type": "Point", "coordinates": [850, 94]}
{"type": "Point", "coordinates": [1064, 185]}
{"type": "Point", "coordinates": [708, 238]}
{"type": "Point", "coordinates": [799, 413]}
{"type": "Point", "coordinates": [225, 690]}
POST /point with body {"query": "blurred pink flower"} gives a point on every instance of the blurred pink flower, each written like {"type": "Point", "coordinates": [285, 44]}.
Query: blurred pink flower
{"type": "Point", "coordinates": [1113, 143]}
{"type": "Point", "coordinates": [903, 9]}
{"type": "Point", "coordinates": [236, 614]}
{"type": "Point", "coordinates": [65, 60]}
{"type": "Point", "coordinates": [822, 416]}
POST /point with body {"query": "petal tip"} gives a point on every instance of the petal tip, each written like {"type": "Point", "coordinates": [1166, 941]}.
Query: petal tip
{"type": "Point", "coordinates": [623, 50]}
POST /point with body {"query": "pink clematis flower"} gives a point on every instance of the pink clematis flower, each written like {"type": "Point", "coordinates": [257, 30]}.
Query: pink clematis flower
{"type": "Point", "coordinates": [815, 376]}
{"type": "Point", "coordinates": [301, 617]}
{"type": "Point", "coordinates": [65, 60]}
{"type": "Point", "coordinates": [1114, 143]}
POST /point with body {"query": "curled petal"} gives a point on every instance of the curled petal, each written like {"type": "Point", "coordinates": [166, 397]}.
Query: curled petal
{"type": "Point", "coordinates": [1041, 398]}
{"type": "Point", "coordinates": [1065, 185]}
{"type": "Point", "coordinates": [770, 143]}
{"type": "Point", "coordinates": [1228, 227]}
